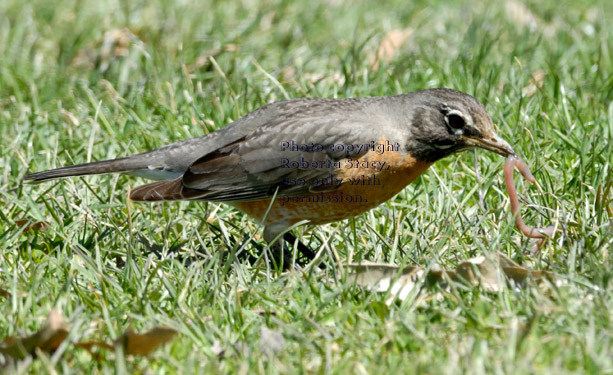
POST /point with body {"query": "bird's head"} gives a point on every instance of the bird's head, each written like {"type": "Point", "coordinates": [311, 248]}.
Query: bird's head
{"type": "Point", "coordinates": [444, 121]}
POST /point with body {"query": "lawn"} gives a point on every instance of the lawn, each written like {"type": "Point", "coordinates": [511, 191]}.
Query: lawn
{"type": "Point", "coordinates": [91, 80]}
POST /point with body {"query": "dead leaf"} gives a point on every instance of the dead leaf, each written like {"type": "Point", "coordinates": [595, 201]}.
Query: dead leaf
{"type": "Point", "coordinates": [482, 272]}
{"type": "Point", "coordinates": [4, 293]}
{"type": "Point", "coordinates": [27, 225]}
{"type": "Point", "coordinates": [133, 343]}
{"type": "Point", "coordinates": [504, 261]}
{"type": "Point", "coordinates": [47, 339]}
{"type": "Point", "coordinates": [384, 277]}
{"type": "Point", "coordinates": [143, 344]}
{"type": "Point", "coordinates": [521, 275]}
{"type": "Point", "coordinates": [535, 83]}
{"type": "Point", "coordinates": [203, 59]}
{"type": "Point", "coordinates": [389, 46]}
{"type": "Point", "coordinates": [70, 117]}
{"type": "Point", "coordinates": [89, 345]}
{"type": "Point", "coordinates": [115, 44]}
{"type": "Point", "coordinates": [379, 276]}
{"type": "Point", "coordinates": [491, 273]}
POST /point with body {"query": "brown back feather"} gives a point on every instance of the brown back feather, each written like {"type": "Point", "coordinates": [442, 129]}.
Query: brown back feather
{"type": "Point", "coordinates": [169, 190]}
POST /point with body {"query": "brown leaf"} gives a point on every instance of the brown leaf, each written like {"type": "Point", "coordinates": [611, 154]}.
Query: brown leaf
{"type": "Point", "coordinates": [70, 117]}
{"type": "Point", "coordinates": [379, 276]}
{"type": "Point", "coordinates": [383, 277]}
{"type": "Point", "coordinates": [89, 345]}
{"type": "Point", "coordinates": [203, 59]}
{"type": "Point", "coordinates": [521, 275]}
{"type": "Point", "coordinates": [482, 272]}
{"type": "Point", "coordinates": [47, 339]}
{"type": "Point", "coordinates": [115, 44]}
{"type": "Point", "coordinates": [535, 83]}
{"type": "Point", "coordinates": [133, 343]}
{"type": "Point", "coordinates": [4, 293]}
{"type": "Point", "coordinates": [144, 343]}
{"type": "Point", "coordinates": [390, 44]}
{"type": "Point", "coordinates": [490, 273]}
{"type": "Point", "coordinates": [504, 261]}
{"type": "Point", "coordinates": [27, 225]}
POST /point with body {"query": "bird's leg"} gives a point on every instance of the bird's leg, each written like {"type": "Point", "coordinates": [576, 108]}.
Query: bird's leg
{"type": "Point", "coordinates": [302, 248]}
{"type": "Point", "coordinates": [280, 253]}
{"type": "Point", "coordinates": [281, 256]}
{"type": "Point", "coordinates": [280, 249]}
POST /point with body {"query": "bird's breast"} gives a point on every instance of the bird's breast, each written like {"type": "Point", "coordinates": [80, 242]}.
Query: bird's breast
{"type": "Point", "coordinates": [363, 184]}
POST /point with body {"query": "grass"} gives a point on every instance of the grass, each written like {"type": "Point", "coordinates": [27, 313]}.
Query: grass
{"type": "Point", "coordinates": [186, 68]}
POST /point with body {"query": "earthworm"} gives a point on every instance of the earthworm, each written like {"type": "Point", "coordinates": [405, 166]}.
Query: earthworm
{"type": "Point", "coordinates": [511, 162]}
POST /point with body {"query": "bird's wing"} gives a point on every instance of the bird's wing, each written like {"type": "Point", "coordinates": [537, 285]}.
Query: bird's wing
{"type": "Point", "coordinates": [264, 161]}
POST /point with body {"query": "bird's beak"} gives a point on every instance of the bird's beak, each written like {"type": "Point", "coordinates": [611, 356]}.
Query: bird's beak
{"type": "Point", "coordinates": [494, 144]}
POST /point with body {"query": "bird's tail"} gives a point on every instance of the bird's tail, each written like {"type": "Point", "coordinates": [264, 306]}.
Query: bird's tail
{"type": "Point", "coordinates": [127, 164]}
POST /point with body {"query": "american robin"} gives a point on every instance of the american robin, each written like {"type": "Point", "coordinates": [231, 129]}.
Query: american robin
{"type": "Point", "coordinates": [322, 160]}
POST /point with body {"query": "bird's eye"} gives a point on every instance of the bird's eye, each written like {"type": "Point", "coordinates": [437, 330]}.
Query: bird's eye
{"type": "Point", "coordinates": [455, 121]}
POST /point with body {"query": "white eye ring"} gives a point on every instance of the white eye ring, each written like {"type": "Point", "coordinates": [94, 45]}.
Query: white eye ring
{"type": "Point", "coordinates": [455, 129]}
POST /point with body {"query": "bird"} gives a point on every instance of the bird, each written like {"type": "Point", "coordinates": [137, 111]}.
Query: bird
{"type": "Point", "coordinates": [309, 160]}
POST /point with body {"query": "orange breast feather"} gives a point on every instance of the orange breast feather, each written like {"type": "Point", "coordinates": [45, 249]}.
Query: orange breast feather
{"type": "Point", "coordinates": [366, 184]}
